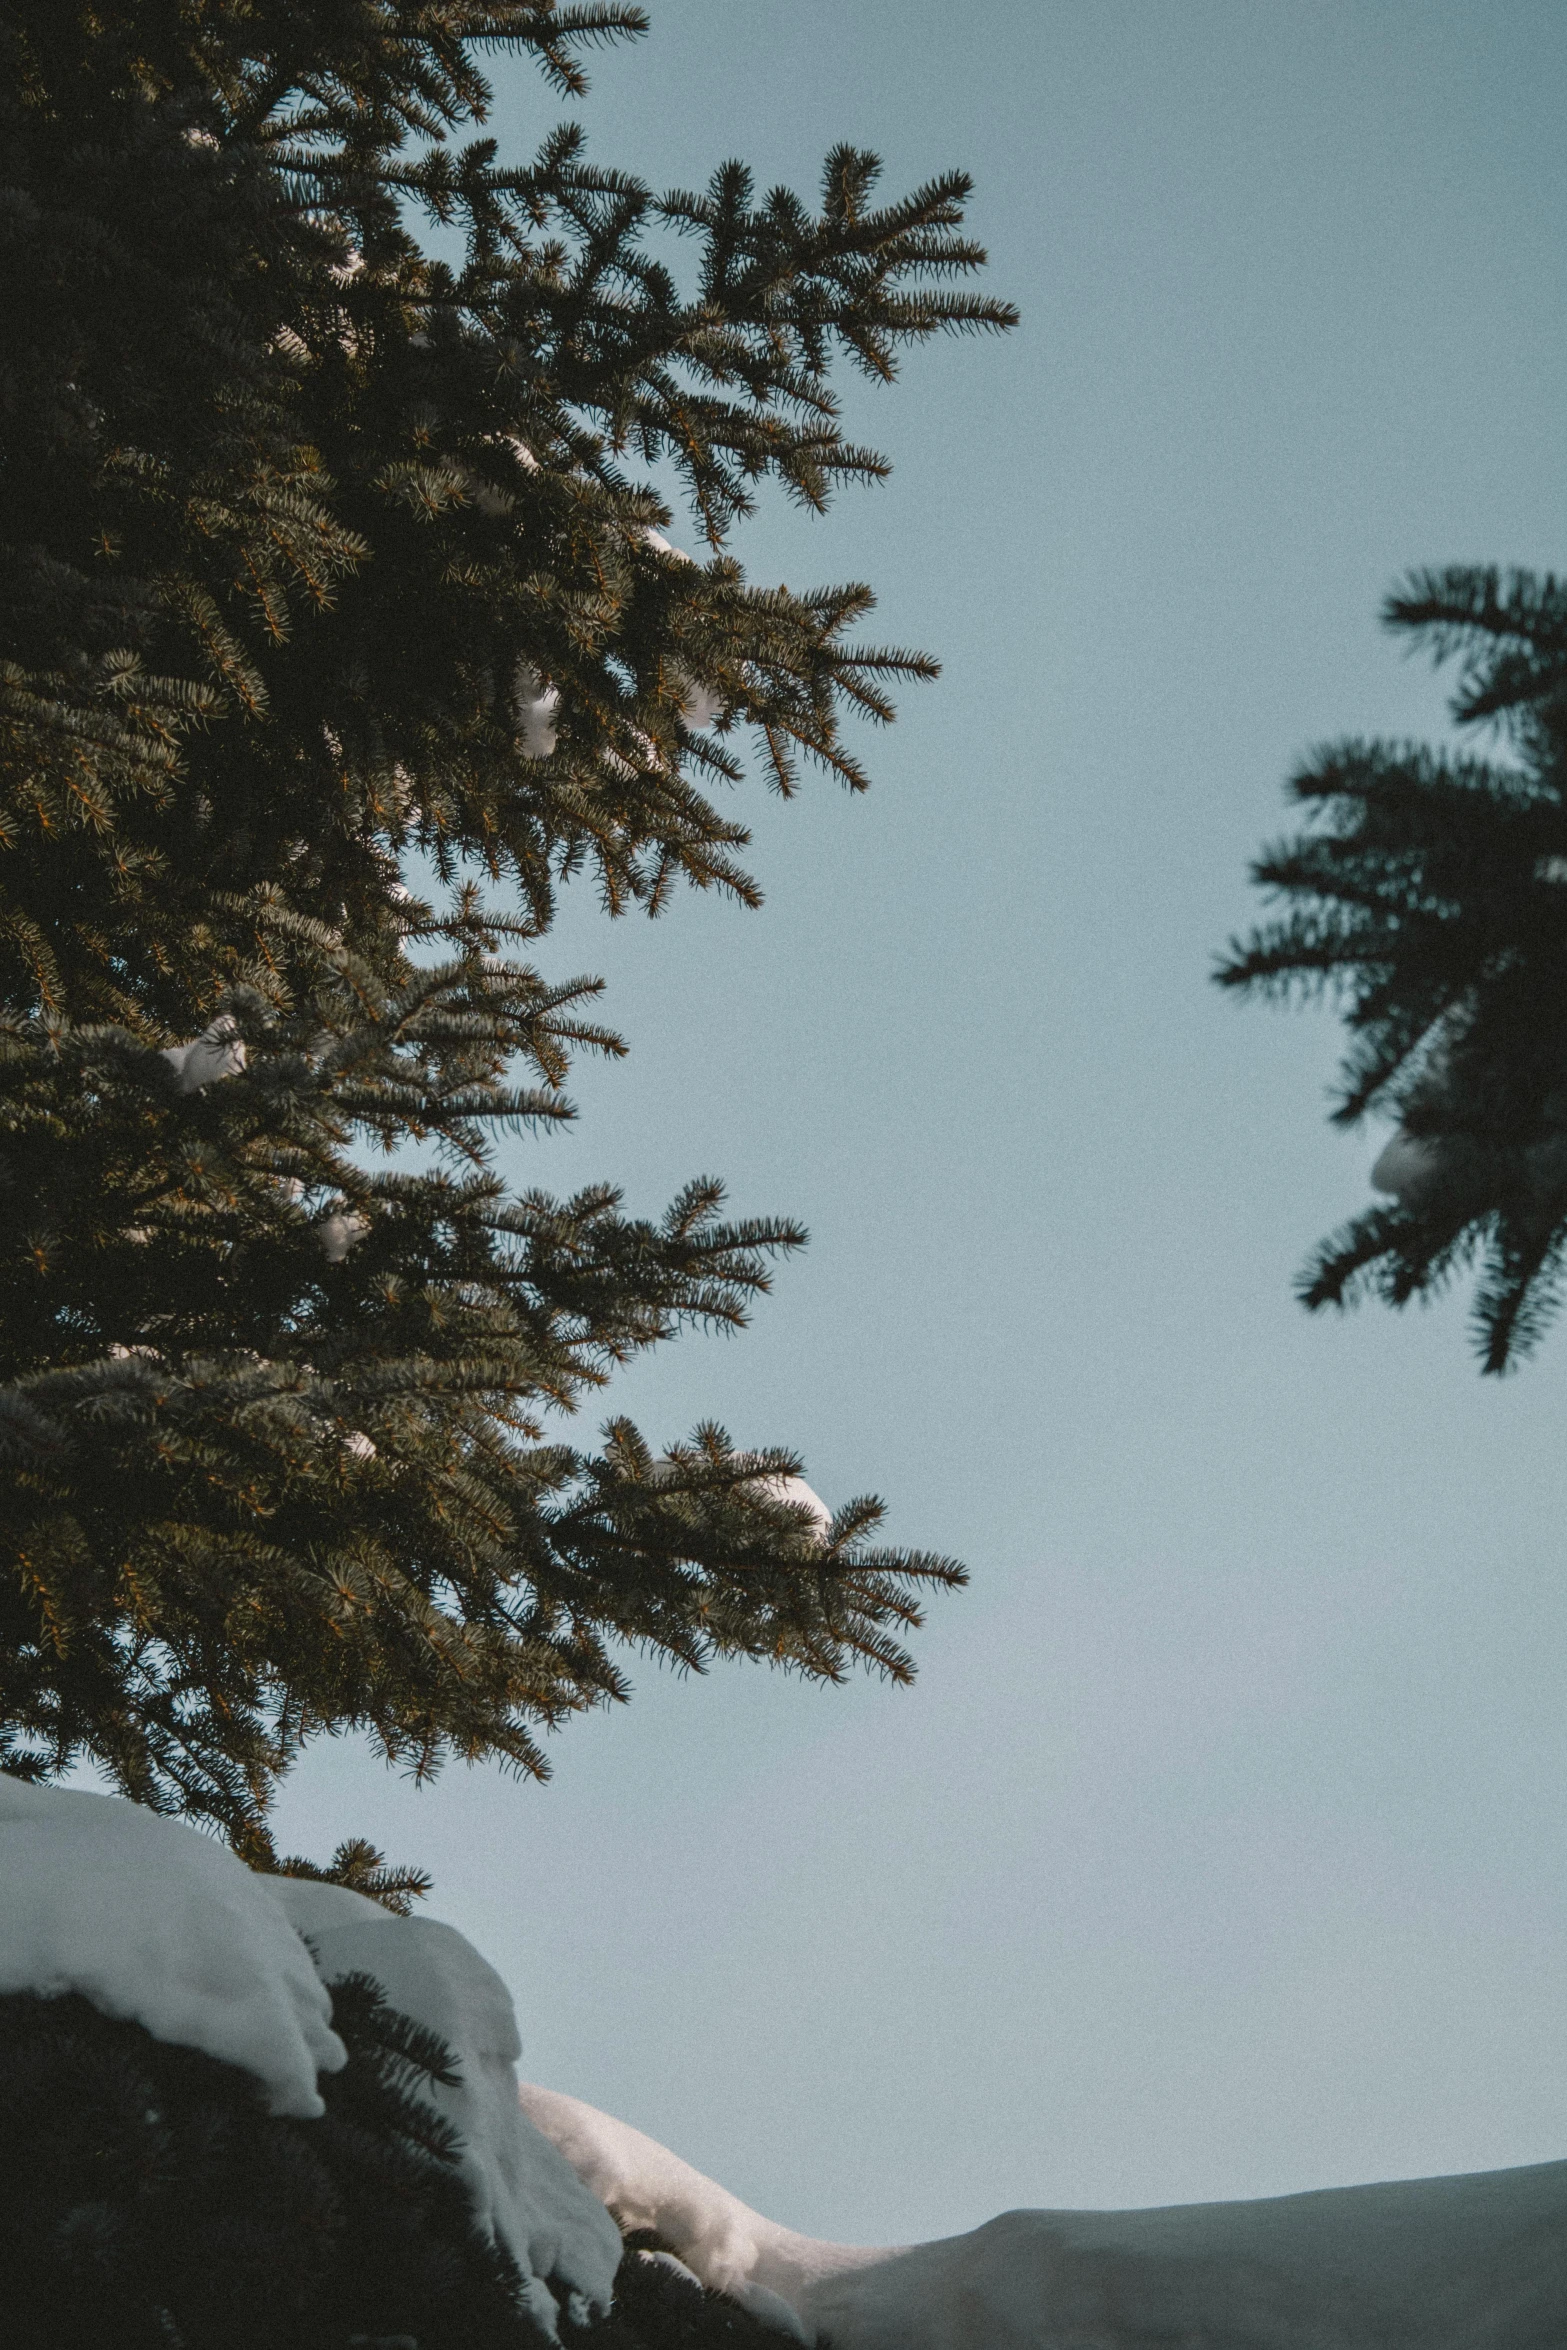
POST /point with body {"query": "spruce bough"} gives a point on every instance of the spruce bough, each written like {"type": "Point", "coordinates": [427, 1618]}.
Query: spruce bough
{"type": "Point", "coordinates": [338, 629]}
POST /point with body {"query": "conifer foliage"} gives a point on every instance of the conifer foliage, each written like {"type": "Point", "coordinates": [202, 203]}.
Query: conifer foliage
{"type": "Point", "coordinates": [338, 627]}
{"type": "Point", "coordinates": [1430, 897]}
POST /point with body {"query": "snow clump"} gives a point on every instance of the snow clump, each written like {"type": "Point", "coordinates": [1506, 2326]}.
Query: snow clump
{"type": "Point", "coordinates": [154, 1922]}
{"type": "Point", "coordinates": [796, 1491]}
{"type": "Point", "coordinates": [219, 1051]}
{"type": "Point", "coordinates": [538, 707]}
{"type": "Point", "coordinates": [1408, 1167]}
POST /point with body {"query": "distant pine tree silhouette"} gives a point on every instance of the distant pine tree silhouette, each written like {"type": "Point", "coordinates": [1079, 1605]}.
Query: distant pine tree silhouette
{"type": "Point", "coordinates": [1430, 898]}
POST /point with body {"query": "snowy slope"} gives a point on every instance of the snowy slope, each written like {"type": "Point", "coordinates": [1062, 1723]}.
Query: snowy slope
{"type": "Point", "coordinates": [1469, 2263]}
{"type": "Point", "coordinates": [153, 1921]}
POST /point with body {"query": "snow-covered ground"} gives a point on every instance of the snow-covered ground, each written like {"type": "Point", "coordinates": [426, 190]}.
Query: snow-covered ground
{"type": "Point", "coordinates": [1469, 2263]}
{"type": "Point", "coordinates": [153, 1921]}
{"type": "Point", "coordinates": [767, 2269]}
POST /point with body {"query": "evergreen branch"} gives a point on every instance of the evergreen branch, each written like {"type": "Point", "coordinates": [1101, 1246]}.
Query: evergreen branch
{"type": "Point", "coordinates": [1426, 897]}
{"type": "Point", "coordinates": [357, 1865]}
{"type": "Point", "coordinates": [326, 572]}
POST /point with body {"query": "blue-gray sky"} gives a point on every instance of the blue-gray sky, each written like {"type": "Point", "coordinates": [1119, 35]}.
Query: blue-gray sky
{"type": "Point", "coordinates": [1220, 1847]}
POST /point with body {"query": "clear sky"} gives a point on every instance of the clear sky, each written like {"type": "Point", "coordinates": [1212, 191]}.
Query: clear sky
{"type": "Point", "coordinates": [1219, 1849]}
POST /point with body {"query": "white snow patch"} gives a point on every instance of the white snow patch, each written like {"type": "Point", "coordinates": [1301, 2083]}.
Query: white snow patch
{"type": "Point", "coordinates": [538, 706]}
{"type": "Point", "coordinates": [521, 2187]}
{"type": "Point", "coordinates": [337, 1233]}
{"type": "Point", "coordinates": [703, 705]}
{"type": "Point", "coordinates": [1466, 2263]}
{"type": "Point", "coordinates": [154, 1922]}
{"type": "Point", "coordinates": [795, 1489]}
{"type": "Point", "coordinates": [702, 708]}
{"type": "Point", "coordinates": [790, 1489]}
{"type": "Point", "coordinates": [219, 1051]}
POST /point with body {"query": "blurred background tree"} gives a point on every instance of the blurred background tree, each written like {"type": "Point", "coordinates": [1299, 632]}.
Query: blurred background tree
{"type": "Point", "coordinates": [1429, 897]}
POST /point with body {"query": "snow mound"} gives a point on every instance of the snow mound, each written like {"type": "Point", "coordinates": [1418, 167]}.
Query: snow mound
{"type": "Point", "coordinates": [154, 1922]}
{"type": "Point", "coordinates": [1461, 2263]}
{"type": "Point", "coordinates": [522, 2189]}
{"type": "Point", "coordinates": [538, 707]}
{"type": "Point", "coordinates": [1468, 2263]}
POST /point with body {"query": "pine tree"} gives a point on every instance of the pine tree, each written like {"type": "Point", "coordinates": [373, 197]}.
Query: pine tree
{"type": "Point", "coordinates": [339, 628]}
{"type": "Point", "coordinates": [1428, 898]}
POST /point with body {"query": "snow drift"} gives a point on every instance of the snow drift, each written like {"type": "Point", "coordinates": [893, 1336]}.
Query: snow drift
{"type": "Point", "coordinates": [1467, 2263]}
{"type": "Point", "coordinates": [767, 2269]}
